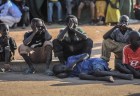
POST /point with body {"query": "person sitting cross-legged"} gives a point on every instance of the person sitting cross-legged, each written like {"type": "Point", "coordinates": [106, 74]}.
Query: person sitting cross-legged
{"type": "Point", "coordinates": [131, 56]}
{"type": "Point", "coordinates": [88, 69]}
{"type": "Point", "coordinates": [37, 47]}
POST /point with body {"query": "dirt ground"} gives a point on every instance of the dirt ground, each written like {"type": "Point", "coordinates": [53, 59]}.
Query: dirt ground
{"type": "Point", "coordinates": [17, 84]}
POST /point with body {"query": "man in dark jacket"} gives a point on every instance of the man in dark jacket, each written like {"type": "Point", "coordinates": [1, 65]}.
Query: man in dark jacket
{"type": "Point", "coordinates": [71, 41]}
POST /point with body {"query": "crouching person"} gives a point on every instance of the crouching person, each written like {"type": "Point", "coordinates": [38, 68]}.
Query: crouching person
{"type": "Point", "coordinates": [131, 56]}
{"type": "Point", "coordinates": [71, 41]}
{"type": "Point", "coordinates": [37, 47]}
{"type": "Point", "coordinates": [115, 39]}
{"type": "Point", "coordinates": [7, 47]}
{"type": "Point", "coordinates": [88, 69]}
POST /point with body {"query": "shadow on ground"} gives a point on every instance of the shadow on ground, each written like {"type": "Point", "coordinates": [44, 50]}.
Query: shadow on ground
{"type": "Point", "coordinates": [136, 94]}
{"type": "Point", "coordinates": [7, 77]}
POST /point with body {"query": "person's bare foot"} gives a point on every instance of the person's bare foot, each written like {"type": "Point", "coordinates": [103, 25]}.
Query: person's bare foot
{"type": "Point", "coordinates": [6, 68]}
{"type": "Point", "coordinates": [111, 79]}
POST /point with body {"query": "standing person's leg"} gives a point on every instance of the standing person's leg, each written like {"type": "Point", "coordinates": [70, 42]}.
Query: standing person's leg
{"type": "Point", "coordinates": [97, 9]}
{"type": "Point", "coordinates": [25, 17]}
{"type": "Point", "coordinates": [50, 11]}
{"type": "Point", "coordinates": [92, 8]}
{"type": "Point", "coordinates": [59, 11]}
{"type": "Point", "coordinates": [24, 52]}
{"type": "Point", "coordinates": [101, 5]}
{"type": "Point", "coordinates": [103, 10]}
{"type": "Point", "coordinates": [69, 7]}
{"type": "Point", "coordinates": [80, 7]}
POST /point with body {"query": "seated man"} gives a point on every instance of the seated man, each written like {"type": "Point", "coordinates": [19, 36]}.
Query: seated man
{"type": "Point", "coordinates": [115, 39]}
{"type": "Point", "coordinates": [51, 3]}
{"type": "Point", "coordinates": [131, 56]}
{"type": "Point", "coordinates": [92, 8]}
{"type": "Point", "coordinates": [88, 69]}
{"type": "Point", "coordinates": [10, 13]}
{"type": "Point", "coordinates": [7, 47]}
{"type": "Point", "coordinates": [71, 41]}
{"type": "Point", "coordinates": [36, 47]}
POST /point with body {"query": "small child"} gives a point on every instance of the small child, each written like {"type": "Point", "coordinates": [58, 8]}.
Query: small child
{"type": "Point", "coordinates": [87, 69]}
{"type": "Point", "coordinates": [7, 47]}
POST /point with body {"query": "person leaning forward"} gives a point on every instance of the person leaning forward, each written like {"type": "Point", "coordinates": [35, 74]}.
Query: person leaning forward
{"type": "Point", "coordinates": [37, 47]}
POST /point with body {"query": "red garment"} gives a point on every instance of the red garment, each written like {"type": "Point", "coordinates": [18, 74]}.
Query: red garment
{"type": "Point", "coordinates": [137, 6]}
{"type": "Point", "coordinates": [130, 57]}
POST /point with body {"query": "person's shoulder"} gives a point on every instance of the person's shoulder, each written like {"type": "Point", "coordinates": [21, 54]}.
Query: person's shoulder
{"type": "Point", "coordinates": [126, 47]}
{"type": "Point", "coordinates": [28, 33]}
{"type": "Point", "coordinates": [61, 29]}
{"type": "Point", "coordinates": [116, 30]}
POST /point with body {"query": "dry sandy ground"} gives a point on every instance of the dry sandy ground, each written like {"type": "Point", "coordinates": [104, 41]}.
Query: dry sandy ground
{"type": "Point", "coordinates": [17, 84]}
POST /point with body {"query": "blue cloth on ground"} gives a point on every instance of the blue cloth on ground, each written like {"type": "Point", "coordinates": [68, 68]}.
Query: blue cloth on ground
{"type": "Point", "coordinates": [87, 66]}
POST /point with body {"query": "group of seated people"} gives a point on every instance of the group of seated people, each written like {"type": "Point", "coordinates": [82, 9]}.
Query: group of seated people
{"type": "Point", "coordinates": [13, 12]}
{"type": "Point", "coordinates": [73, 48]}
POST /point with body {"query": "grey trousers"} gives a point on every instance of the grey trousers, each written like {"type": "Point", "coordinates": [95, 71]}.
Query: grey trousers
{"type": "Point", "coordinates": [109, 46]}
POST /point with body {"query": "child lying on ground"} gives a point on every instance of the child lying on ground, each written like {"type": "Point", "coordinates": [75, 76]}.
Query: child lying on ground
{"type": "Point", "coordinates": [88, 69]}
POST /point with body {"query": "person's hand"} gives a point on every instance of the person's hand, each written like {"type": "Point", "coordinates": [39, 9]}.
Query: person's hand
{"type": "Point", "coordinates": [118, 26]}
{"type": "Point", "coordinates": [71, 24]}
{"type": "Point", "coordinates": [33, 46]}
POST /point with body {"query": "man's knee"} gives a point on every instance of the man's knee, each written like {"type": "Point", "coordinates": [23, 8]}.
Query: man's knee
{"type": "Point", "coordinates": [48, 43]}
{"type": "Point", "coordinates": [106, 41]}
{"type": "Point", "coordinates": [22, 49]}
{"type": "Point", "coordinates": [109, 43]}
